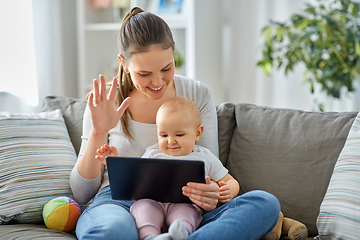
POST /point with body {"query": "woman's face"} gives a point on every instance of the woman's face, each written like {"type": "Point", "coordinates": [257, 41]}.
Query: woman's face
{"type": "Point", "coordinates": [152, 72]}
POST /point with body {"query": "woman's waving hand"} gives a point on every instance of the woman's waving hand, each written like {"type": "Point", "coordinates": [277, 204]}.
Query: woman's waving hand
{"type": "Point", "coordinates": [102, 106]}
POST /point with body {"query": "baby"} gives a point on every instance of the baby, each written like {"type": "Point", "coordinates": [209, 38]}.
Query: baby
{"type": "Point", "coordinates": [179, 126]}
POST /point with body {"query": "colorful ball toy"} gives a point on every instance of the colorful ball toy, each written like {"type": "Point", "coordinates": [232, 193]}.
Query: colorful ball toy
{"type": "Point", "coordinates": [61, 213]}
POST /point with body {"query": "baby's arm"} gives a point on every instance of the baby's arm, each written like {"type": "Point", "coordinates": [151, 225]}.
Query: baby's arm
{"type": "Point", "coordinates": [229, 188]}
{"type": "Point", "coordinates": [104, 151]}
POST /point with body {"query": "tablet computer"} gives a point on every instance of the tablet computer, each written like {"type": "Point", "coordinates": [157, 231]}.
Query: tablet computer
{"type": "Point", "coordinates": [158, 179]}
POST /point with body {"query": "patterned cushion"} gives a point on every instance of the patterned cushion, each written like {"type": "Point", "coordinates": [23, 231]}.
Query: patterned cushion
{"type": "Point", "coordinates": [339, 216]}
{"type": "Point", "coordinates": [32, 231]}
{"type": "Point", "coordinates": [36, 158]}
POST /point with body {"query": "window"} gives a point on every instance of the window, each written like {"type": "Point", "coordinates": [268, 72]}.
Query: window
{"type": "Point", "coordinates": [17, 58]}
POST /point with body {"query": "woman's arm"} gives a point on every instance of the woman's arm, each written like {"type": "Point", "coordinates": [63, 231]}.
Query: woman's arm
{"type": "Point", "coordinates": [209, 138]}
{"type": "Point", "coordinates": [84, 188]}
{"type": "Point", "coordinates": [88, 166]}
{"type": "Point", "coordinates": [104, 117]}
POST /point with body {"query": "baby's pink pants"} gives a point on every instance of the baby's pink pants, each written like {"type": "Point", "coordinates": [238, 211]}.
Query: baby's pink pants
{"type": "Point", "coordinates": [152, 217]}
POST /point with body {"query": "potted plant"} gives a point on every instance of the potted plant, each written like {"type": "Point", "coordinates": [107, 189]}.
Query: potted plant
{"type": "Point", "coordinates": [325, 37]}
{"type": "Point", "coordinates": [178, 58]}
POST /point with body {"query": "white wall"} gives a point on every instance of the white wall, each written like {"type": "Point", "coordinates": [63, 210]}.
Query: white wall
{"type": "Point", "coordinates": [55, 46]}
{"type": "Point", "coordinates": [240, 23]}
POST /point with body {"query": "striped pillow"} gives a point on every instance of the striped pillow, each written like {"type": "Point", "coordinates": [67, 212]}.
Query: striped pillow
{"type": "Point", "coordinates": [36, 158]}
{"type": "Point", "coordinates": [339, 216]}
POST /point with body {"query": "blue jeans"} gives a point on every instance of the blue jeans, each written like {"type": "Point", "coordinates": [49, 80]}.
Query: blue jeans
{"type": "Point", "coordinates": [249, 216]}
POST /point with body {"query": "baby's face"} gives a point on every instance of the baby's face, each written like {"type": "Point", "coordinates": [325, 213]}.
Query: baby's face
{"type": "Point", "coordinates": [176, 133]}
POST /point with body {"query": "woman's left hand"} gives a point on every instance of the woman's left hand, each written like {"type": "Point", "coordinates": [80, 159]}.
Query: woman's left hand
{"type": "Point", "coordinates": [205, 195]}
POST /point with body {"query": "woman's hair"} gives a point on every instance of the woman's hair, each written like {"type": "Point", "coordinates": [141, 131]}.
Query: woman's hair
{"type": "Point", "coordinates": [138, 32]}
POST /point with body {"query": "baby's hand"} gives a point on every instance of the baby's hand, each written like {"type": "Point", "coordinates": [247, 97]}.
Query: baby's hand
{"type": "Point", "coordinates": [224, 191]}
{"type": "Point", "coordinates": [104, 151]}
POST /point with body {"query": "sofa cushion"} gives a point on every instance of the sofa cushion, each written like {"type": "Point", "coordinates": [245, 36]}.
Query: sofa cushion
{"type": "Point", "coordinates": [36, 158]}
{"type": "Point", "coordinates": [289, 153]}
{"type": "Point", "coordinates": [226, 126]}
{"type": "Point", "coordinates": [32, 231]}
{"type": "Point", "coordinates": [73, 112]}
{"type": "Point", "coordinates": [340, 210]}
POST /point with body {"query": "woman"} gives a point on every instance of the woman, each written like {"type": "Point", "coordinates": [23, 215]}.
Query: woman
{"type": "Point", "coordinates": [146, 80]}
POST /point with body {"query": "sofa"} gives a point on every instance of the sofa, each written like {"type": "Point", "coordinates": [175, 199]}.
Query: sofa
{"type": "Point", "coordinates": [287, 152]}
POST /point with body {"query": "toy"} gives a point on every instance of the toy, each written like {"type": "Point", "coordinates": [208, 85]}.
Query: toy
{"type": "Point", "coordinates": [61, 214]}
{"type": "Point", "coordinates": [293, 229]}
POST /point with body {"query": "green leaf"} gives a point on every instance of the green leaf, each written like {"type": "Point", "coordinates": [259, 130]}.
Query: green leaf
{"type": "Point", "coordinates": [288, 67]}
{"type": "Point", "coordinates": [357, 47]}
{"type": "Point", "coordinates": [304, 23]}
{"type": "Point", "coordinates": [305, 78]}
{"type": "Point", "coordinates": [358, 64]}
{"type": "Point", "coordinates": [267, 68]}
{"type": "Point", "coordinates": [310, 9]}
{"type": "Point", "coordinates": [260, 63]}
{"type": "Point", "coordinates": [279, 33]}
{"type": "Point", "coordinates": [311, 86]}
{"type": "Point", "coordinates": [178, 58]}
{"type": "Point", "coordinates": [266, 32]}
{"type": "Point", "coordinates": [356, 75]}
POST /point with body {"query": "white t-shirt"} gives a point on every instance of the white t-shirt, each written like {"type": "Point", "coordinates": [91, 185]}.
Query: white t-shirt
{"type": "Point", "coordinates": [144, 133]}
{"type": "Point", "coordinates": [213, 166]}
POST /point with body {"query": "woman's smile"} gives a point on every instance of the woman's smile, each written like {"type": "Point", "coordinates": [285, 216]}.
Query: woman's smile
{"type": "Point", "coordinates": [156, 90]}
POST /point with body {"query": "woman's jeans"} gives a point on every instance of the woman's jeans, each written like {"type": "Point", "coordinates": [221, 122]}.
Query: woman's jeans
{"type": "Point", "coordinates": [249, 216]}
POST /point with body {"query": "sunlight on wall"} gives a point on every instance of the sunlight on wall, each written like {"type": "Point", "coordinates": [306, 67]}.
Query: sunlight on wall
{"type": "Point", "coordinates": [17, 58]}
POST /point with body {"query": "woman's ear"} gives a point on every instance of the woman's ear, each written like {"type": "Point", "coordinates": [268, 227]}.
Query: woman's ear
{"type": "Point", "coordinates": [123, 62]}
{"type": "Point", "coordinates": [199, 132]}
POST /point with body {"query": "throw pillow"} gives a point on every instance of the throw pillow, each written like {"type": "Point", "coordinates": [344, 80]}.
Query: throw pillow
{"type": "Point", "coordinates": [36, 158]}
{"type": "Point", "coordinates": [339, 216]}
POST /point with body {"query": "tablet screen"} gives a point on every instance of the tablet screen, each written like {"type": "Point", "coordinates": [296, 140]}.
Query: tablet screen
{"type": "Point", "coordinates": [158, 179]}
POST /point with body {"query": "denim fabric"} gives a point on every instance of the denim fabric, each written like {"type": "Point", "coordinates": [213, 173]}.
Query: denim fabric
{"type": "Point", "coordinates": [246, 217]}
{"type": "Point", "coordinates": [249, 216]}
{"type": "Point", "coordinates": [106, 218]}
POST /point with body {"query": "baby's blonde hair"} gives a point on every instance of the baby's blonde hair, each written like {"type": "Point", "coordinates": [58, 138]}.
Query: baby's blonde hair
{"type": "Point", "coordinates": [184, 105]}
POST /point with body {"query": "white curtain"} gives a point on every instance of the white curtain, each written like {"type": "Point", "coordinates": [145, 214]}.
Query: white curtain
{"type": "Point", "coordinates": [243, 22]}
{"type": "Point", "coordinates": [49, 27]}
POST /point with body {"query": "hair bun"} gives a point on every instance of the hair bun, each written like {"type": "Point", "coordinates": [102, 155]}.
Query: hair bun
{"type": "Point", "coordinates": [132, 12]}
{"type": "Point", "coordinates": [135, 10]}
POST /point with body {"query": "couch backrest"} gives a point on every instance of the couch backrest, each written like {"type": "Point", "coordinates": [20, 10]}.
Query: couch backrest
{"type": "Point", "coordinates": [73, 112]}
{"type": "Point", "coordinates": [289, 153]}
